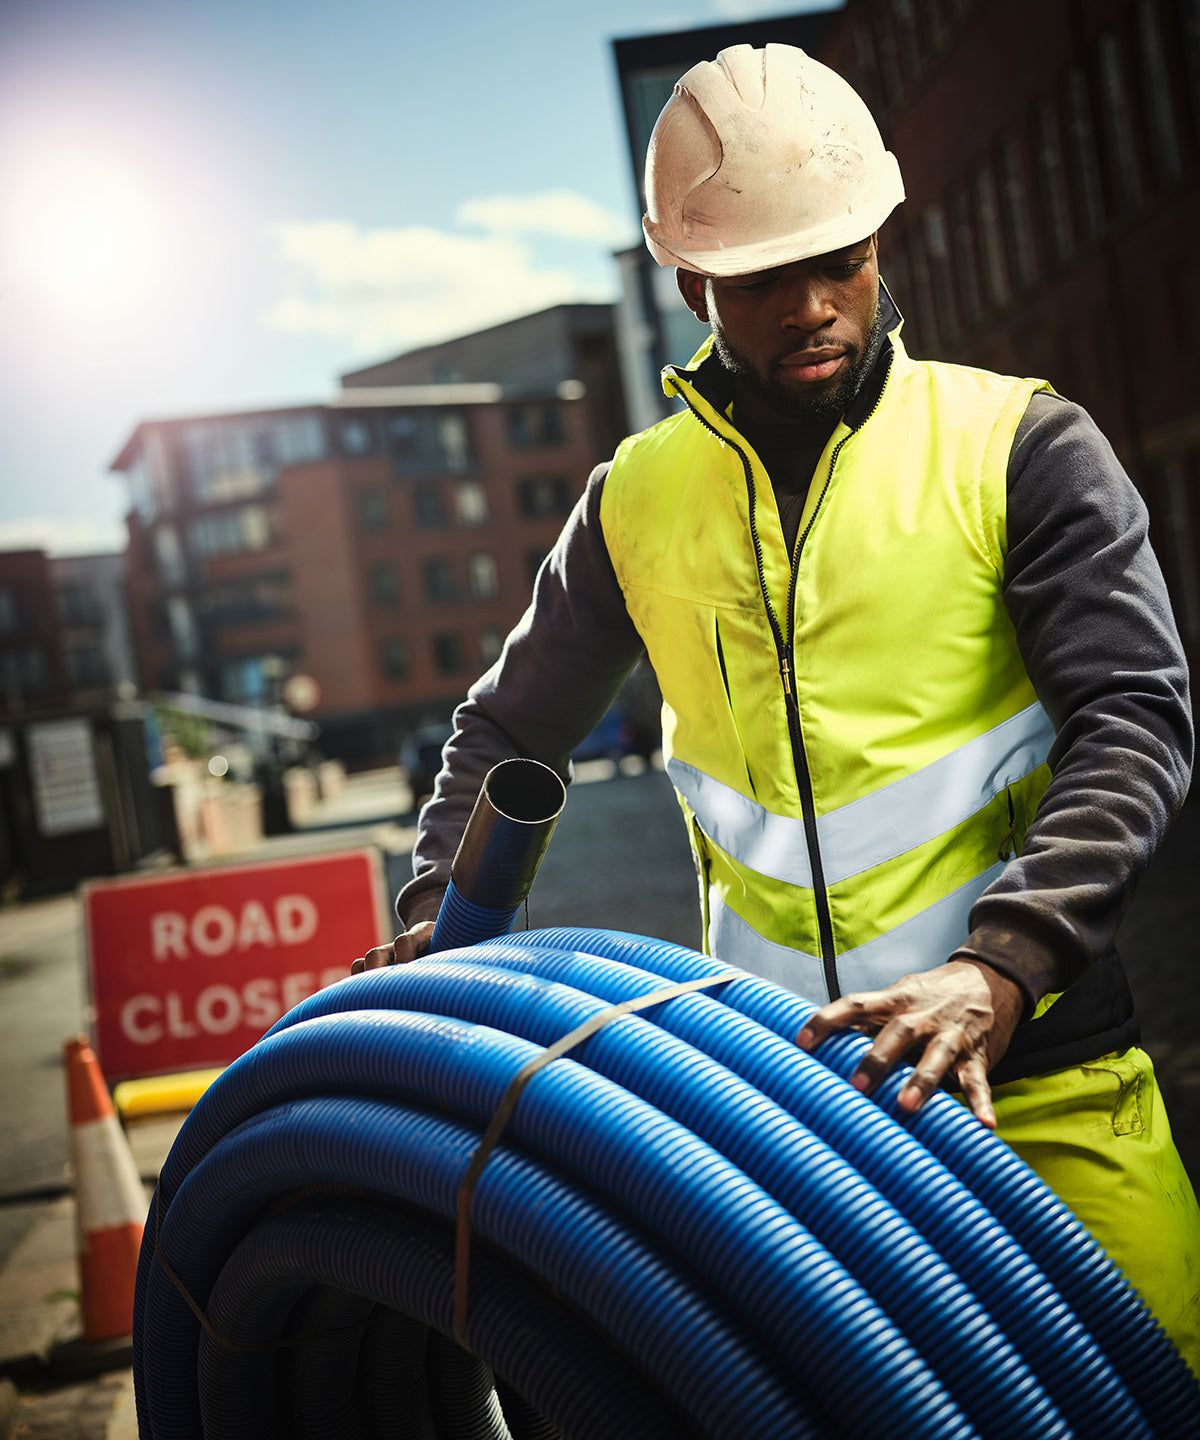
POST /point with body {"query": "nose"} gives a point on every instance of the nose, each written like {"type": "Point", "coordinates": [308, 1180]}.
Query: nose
{"type": "Point", "coordinates": [808, 301]}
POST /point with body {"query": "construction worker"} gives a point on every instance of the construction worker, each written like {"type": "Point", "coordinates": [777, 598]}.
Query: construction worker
{"type": "Point", "coordinates": [925, 705]}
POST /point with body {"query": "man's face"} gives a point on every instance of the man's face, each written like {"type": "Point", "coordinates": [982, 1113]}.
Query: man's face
{"type": "Point", "coordinates": [795, 338]}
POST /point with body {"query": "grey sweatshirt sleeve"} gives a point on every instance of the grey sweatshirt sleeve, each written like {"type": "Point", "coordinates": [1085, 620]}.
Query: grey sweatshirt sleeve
{"type": "Point", "coordinates": [1095, 629]}
{"type": "Point", "coordinates": [559, 671]}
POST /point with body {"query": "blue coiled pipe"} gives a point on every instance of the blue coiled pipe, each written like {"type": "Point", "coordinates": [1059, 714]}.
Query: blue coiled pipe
{"type": "Point", "coordinates": [688, 1196]}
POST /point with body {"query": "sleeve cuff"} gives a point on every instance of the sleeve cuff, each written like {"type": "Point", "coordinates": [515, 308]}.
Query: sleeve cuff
{"type": "Point", "coordinates": [1024, 958]}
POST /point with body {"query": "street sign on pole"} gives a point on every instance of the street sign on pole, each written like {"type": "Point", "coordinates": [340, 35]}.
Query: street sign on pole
{"type": "Point", "coordinates": [188, 970]}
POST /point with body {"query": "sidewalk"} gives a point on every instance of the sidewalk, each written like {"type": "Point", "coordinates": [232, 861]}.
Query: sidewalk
{"type": "Point", "coordinates": [52, 1385]}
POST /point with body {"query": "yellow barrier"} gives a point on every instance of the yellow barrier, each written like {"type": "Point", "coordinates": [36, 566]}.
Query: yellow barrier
{"type": "Point", "coordinates": [161, 1094]}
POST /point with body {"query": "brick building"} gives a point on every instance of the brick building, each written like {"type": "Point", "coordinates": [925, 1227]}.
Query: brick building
{"type": "Point", "coordinates": [382, 544]}
{"type": "Point", "coordinates": [1051, 156]}
{"type": "Point", "coordinates": [33, 668]}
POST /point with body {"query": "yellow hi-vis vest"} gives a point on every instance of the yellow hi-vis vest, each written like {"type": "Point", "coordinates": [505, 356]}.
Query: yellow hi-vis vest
{"type": "Point", "coordinates": [850, 729]}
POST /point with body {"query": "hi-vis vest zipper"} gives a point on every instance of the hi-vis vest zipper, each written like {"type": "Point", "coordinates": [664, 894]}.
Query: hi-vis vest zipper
{"type": "Point", "coordinates": [850, 729]}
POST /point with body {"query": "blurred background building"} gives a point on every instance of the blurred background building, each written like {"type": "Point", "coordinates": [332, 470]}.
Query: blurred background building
{"type": "Point", "coordinates": [382, 544]}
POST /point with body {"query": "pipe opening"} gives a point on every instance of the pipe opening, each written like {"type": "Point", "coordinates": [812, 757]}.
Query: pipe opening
{"type": "Point", "coordinates": [525, 791]}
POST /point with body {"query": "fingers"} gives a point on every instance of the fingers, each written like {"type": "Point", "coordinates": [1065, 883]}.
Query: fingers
{"type": "Point", "coordinates": [408, 946]}
{"type": "Point", "coordinates": [959, 1018]}
{"type": "Point", "coordinates": [413, 943]}
{"type": "Point", "coordinates": [851, 1012]}
{"type": "Point", "coordinates": [972, 1081]}
{"type": "Point", "coordinates": [376, 957]}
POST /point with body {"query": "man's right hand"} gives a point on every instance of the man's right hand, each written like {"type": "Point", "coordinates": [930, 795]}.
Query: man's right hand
{"type": "Point", "coordinates": [413, 943]}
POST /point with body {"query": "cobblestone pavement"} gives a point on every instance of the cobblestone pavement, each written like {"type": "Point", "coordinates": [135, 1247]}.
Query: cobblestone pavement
{"type": "Point", "coordinates": [97, 1409]}
{"type": "Point", "coordinates": [619, 859]}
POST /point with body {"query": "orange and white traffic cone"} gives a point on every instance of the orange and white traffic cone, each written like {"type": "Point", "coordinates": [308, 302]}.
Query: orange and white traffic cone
{"type": "Point", "coordinates": [110, 1198]}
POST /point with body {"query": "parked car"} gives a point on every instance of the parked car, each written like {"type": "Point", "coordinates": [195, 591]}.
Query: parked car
{"type": "Point", "coordinates": [610, 740]}
{"type": "Point", "coordinates": [421, 759]}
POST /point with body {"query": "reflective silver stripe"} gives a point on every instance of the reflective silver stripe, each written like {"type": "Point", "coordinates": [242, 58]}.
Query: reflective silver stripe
{"type": "Point", "coordinates": [934, 799]}
{"type": "Point", "coordinates": [770, 844]}
{"type": "Point", "coordinates": [731, 939]}
{"type": "Point", "coordinates": [876, 827]}
{"type": "Point", "coordinates": [921, 942]}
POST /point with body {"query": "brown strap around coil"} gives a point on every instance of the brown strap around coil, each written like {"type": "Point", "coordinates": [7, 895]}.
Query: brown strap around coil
{"type": "Point", "coordinates": [508, 1103]}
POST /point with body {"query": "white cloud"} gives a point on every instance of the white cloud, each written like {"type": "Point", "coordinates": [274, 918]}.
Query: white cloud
{"type": "Point", "coordinates": [411, 286]}
{"type": "Point", "coordinates": [558, 212]}
{"type": "Point", "coordinates": [62, 535]}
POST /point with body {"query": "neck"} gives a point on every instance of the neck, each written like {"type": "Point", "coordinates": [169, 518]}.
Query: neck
{"type": "Point", "coordinates": [755, 411]}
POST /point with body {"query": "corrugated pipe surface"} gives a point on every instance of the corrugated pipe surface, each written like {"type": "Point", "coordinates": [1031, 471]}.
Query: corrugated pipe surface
{"type": "Point", "coordinates": [689, 1227]}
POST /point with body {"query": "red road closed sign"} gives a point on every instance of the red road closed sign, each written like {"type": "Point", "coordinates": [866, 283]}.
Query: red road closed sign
{"type": "Point", "coordinates": [188, 970]}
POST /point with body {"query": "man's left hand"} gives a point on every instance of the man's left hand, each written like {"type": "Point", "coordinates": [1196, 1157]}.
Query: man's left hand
{"type": "Point", "coordinates": [963, 1013]}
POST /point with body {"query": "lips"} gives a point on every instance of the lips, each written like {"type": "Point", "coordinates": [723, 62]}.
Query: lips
{"type": "Point", "coordinates": [808, 365]}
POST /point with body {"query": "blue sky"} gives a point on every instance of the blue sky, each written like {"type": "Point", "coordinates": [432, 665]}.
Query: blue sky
{"type": "Point", "coordinates": [212, 205]}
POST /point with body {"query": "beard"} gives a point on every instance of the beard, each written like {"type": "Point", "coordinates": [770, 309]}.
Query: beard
{"type": "Point", "coordinates": [818, 404]}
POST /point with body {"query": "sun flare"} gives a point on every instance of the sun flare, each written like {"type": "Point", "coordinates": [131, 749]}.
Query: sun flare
{"type": "Point", "coordinates": [82, 232]}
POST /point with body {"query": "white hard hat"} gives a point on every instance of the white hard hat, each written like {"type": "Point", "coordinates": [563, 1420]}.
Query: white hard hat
{"type": "Point", "coordinates": [761, 157]}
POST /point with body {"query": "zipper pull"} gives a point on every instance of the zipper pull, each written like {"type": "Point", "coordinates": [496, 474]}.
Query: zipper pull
{"type": "Point", "coordinates": [785, 670]}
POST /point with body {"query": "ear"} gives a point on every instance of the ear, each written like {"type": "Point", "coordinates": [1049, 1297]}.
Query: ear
{"type": "Point", "coordinates": [694, 289]}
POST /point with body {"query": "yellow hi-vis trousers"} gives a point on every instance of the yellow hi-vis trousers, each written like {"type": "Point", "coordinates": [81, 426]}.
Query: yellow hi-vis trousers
{"type": "Point", "coordinates": [1099, 1136]}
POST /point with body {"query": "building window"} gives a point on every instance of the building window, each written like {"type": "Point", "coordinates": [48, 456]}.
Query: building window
{"type": "Point", "coordinates": [532, 424]}
{"type": "Point", "coordinates": [79, 606]}
{"type": "Point", "coordinates": [906, 32]}
{"type": "Point", "coordinates": [184, 635]}
{"type": "Point", "coordinates": [1190, 27]}
{"type": "Point", "coordinates": [144, 486]}
{"type": "Point", "coordinates": [249, 600]}
{"type": "Point", "coordinates": [87, 667]}
{"type": "Point", "coordinates": [1118, 114]}
{"type": "Point", "coordinates": [298, 439]}
{"type": "Point", "coordinates": [889, 58]}
{"type": "Point", "coordinates": [1156, 87]}
{"type": "Point", "coordinates": [1083, 153]}
{"type": "Point", "coordinates": [926, 314]}
{"type": "Point", "coordinates": [439, 581]}
{"type": "Point", "coordinates": [962, 239]}
{"type": "Point", "coordinates": [448, 653]}
{"type": "Point", "coordinates": [1052, 176]}
{"type": "Point", "coordinates": [1015, 206]}
{"type": "Point", "coordinates": [543, 495]}
{"type": "Point", "coordinates": [372, 509]}
{"type": "Point", "coordinates": [935, 25]}
{"type": "Point", "coordinates": [383, 585]}
{"type": "Point", "coordinates": [254, 679]}
{"type": "Point", "coordinates": [428, 509]}
{"type": "Point", "coordinates": [168, 555]}
{"type": "Point", "coordinates": [393, 656]}
{"type": "Point", "coordinates": [227, 461]}
{"type": "Point", "coordinates": [8, 610]}
{"type": "Point", "coordinates": [470, 503]}
{"type": "Point", "coordinates": [429, 441]}
{"type": "Point", "coordinates": [483, 576]}
{"type": "Point", "coordinates": [356, 436]}
{"type": "Point", "coordinates": [533, 563]}
{"type": "Point", "coordinates": [937, 247]}
{"type": "Point", "coordinates": [26, 673]}
{"type": "Point", "coordinates": [987, 207]}
{"type": "Point", "coordinates": [246, 529]}
{"type": "Point", "coordinates": [868, 86]}
{"type": "Point", "coordinates": [1180, 525]}
{"type": "Point", "coordinates": [491, 642]}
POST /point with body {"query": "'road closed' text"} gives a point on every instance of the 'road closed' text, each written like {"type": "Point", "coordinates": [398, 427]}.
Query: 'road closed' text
{"type": "Point", "coordinates": [218, 1009]}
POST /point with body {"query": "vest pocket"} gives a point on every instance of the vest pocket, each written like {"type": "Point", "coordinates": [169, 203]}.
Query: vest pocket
{"type": "Point", "coordinates": [1128, 1080]}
